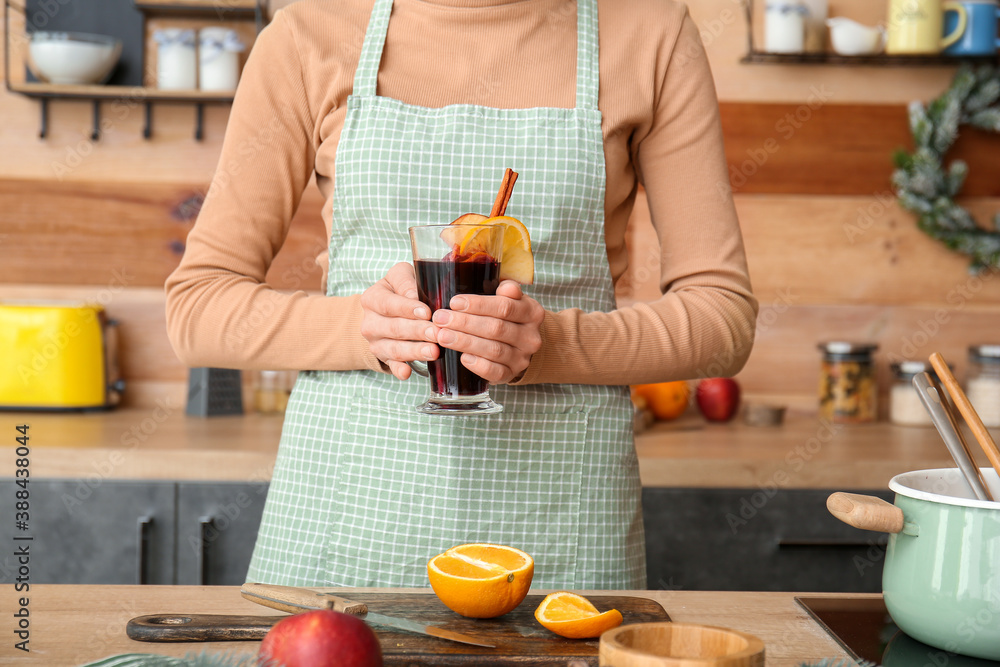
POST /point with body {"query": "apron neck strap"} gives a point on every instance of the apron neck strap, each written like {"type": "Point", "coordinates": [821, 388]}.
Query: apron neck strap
{"type": "Point", "coordinates": [587, 63]}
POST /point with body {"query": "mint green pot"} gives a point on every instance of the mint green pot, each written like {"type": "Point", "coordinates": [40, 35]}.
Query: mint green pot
{"type": "Point", "coordinates": [905, 651]}
{"type": "Point", "coordinates": [941, 581]}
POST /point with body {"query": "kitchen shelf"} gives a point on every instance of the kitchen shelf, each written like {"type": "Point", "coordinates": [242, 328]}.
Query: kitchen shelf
{"type": "Point", "coordinates": [222, 9]}
{"type": "Point", "coordinates": [15, 61]}
{"type": "Point", "coordinates": [118, 93]}
{"type": "Point", "coordinates": [875, 60]}
{"type": "Point", "coordinates": [757, 57]}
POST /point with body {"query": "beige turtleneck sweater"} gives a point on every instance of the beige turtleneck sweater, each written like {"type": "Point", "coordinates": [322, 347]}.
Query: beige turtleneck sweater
{"type": "Point", "coordinates": [661, 128]}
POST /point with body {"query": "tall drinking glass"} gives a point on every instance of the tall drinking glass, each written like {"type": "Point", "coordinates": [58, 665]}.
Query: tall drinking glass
{"type": "Point", "coordinates": [450, 260]}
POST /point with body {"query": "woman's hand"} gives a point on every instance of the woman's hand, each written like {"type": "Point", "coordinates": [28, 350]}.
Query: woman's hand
{"type": "Point", "coordinates": [496, 334]}
{"type": "Point", "coordinates": [396, 324]}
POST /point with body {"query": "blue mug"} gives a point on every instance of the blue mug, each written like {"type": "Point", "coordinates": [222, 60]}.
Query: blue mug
{"type": "Point", "coordinates": [980, 36]}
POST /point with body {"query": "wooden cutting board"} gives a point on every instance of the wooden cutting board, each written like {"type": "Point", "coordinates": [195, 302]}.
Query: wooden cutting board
{"type": "Point", "coordinates": [519, 638]}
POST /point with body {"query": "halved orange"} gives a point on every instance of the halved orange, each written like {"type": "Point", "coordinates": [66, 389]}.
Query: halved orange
{"type": "Point", "coordinates": [481, 580]}
{"type": "Point", "coordinates": [573, 616]}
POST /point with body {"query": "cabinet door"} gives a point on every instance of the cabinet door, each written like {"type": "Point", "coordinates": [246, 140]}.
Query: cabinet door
{"type": "Point", "coordinates": [95, 531]}
{"type": "Point", "coordinates": [217, 526]}
{"type": "Point", "coordinates": [757, 539]}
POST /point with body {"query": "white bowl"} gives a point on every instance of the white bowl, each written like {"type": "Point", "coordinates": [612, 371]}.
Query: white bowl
{"type": "Point", "coordinates": [850, 38]}
{"type": "Point", "coordinates": [73, 57]}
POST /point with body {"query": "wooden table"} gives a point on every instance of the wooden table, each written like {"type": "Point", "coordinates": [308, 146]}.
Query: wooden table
{"type": "Point", "coordinates": [71, 625]}
{"type": "Point", "coordinates": [162, 443]}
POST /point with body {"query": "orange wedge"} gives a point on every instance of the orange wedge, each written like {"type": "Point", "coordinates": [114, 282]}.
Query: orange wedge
{"type": "Point", "coordinates": [573, 616]}
{"type": "Point", "coordinates": [518, 263]}
{"type": "Point", "coordinates": [481, 580]}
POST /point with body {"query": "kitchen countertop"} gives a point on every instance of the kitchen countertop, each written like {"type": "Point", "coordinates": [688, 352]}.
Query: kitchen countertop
{"type": "Point", "coordinates": [71, 625]}
{"type": "Point", "coordinates": [162, 443]}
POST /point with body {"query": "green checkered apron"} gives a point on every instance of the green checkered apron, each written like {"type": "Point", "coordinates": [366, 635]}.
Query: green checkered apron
{"type": "Point", "coordinates": [365, 489]}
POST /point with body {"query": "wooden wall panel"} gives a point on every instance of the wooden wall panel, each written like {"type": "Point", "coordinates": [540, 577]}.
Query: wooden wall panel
{"type": "Point", "coordinates": [94, 233]}
{"type": "Point", "coordinates": [841, 149]}
{"type": "Point", "coordinates": [831, 250]}
{"type": "Point", "coordinates": [824, 250]}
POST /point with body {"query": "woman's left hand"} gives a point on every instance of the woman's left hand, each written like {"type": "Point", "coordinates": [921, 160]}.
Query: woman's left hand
{"type": "Point", "coordinates": [496, 334]}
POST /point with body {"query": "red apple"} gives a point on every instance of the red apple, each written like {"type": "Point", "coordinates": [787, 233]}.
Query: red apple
{"type": "Point", "coordinates": [321, 638]}
{"type": "Point", "coordinates": [718, 398]}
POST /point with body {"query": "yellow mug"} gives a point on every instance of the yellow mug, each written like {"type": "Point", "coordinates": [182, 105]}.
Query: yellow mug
{"type": "Point", "coordinates": [916, 26]}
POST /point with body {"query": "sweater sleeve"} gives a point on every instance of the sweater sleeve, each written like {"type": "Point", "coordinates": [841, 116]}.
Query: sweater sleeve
{"type": "Point", "coordinates": [220, 310]}
{"type": "Point", "coordinates": [704, 322]}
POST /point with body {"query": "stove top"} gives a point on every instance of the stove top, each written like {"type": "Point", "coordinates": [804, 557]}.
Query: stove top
{"type": "Point", "coordinates": [862, 626]}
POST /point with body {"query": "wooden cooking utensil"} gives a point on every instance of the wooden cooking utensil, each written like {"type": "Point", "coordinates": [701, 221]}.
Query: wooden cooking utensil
{"type": "Point", "coordinates": [968, 412]}
{"type": "Point", "coordinates": [946, 420]}
{"type": "Point", "coordinates": [679, 645]}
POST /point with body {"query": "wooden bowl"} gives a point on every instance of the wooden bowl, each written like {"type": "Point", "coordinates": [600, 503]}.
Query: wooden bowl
{"type": "Point", "coordinates": [679, 645]}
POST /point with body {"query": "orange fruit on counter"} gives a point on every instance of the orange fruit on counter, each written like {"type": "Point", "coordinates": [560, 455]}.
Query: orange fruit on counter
{"type": "Point", "coordinates": [667, 400]}
{"type": "Point", "coordinates": [481, 580]}
{"type": "Point", "coordinates": [573, 616]}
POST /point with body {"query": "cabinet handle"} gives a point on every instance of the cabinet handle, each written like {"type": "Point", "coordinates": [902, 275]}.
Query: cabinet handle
{"type": "Point", "coordinates": [205, 524]}
{"type": "Point", "coordinates": [145, 524]}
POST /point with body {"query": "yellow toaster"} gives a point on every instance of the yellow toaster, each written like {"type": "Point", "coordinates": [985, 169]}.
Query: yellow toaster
{"type": "Point", "coordinates": [58, 356]}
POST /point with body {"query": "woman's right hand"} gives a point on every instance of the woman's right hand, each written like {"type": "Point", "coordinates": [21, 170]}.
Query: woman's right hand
{"type": "Point", "coordinates": [396, 323]}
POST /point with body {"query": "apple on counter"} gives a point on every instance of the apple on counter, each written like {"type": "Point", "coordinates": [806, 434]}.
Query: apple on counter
{"type": "Point", "coordinates": [321, 638]}
{"type": "Point", "coordinates": [718, 398]}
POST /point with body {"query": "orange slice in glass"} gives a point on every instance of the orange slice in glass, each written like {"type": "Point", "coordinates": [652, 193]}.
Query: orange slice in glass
{"type": "Point", "coordinates": [573, 616]}
{"type": "Point", "coordinates": [518, 262]}
{"type": "Point", "coordinates": [458, 237]}
{"type": "Point", "coordinates": [481, 580]}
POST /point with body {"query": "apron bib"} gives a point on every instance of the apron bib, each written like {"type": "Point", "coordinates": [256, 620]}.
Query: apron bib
{"type": "Point", "coordinates": [365, 489]}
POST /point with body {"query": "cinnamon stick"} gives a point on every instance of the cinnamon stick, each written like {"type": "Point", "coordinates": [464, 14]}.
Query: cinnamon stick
{"type": "Point", "coordinates": [503, 196]}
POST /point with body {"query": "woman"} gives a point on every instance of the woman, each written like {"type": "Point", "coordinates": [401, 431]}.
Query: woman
{"type": "Point", "coordinates": [408, 113]}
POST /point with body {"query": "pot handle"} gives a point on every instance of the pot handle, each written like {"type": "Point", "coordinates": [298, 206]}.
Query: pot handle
{"type": "Point", "coordinates": [866, 512]}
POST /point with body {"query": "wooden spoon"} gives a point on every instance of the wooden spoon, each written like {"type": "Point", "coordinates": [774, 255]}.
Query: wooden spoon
{"type": "Point", "coordinates": [964, 406]}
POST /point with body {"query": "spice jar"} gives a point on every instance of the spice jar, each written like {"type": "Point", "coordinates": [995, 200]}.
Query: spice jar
{"type": "Point", "coordinates": [983, 382]}
{"type": "Point", "coordinates": [218, 59]}
{"type": "Point", "coordinates": [847, 390]}
{"type": "Point", "coordinates": [271, 391]}
{"type": "Point", "coordinates": [905, 406]}
{"type": "Point", "coordinates": [176, 67]}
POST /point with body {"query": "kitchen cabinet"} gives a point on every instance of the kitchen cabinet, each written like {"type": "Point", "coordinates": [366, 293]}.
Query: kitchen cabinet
{"type": "Point", "coordinates": [761, 539]}
{"type": "Point", "coordinates": [199, 532]}
{"type": "Point", "coordinates": [94, 531]}
{"type": "Point", "coordinates": [216, 530]}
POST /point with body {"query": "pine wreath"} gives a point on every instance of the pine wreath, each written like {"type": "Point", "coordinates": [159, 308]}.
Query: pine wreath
{"type": "Point", "coordinates": [921, 182]}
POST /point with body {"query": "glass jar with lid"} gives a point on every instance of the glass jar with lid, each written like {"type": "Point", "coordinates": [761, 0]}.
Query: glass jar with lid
{"type": "Point", "coordinates": [218, 59]}
{"type": "Point", "coordinates": [784, 26]}
{"type": "Point", "coordinates": [982, 384]}
{"type": "Point", "coordinates": [905, 406]}
{"type": "Point", "coordinates": [175, 65]}
{"type": "Point", "coordinates": [847, 389]}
